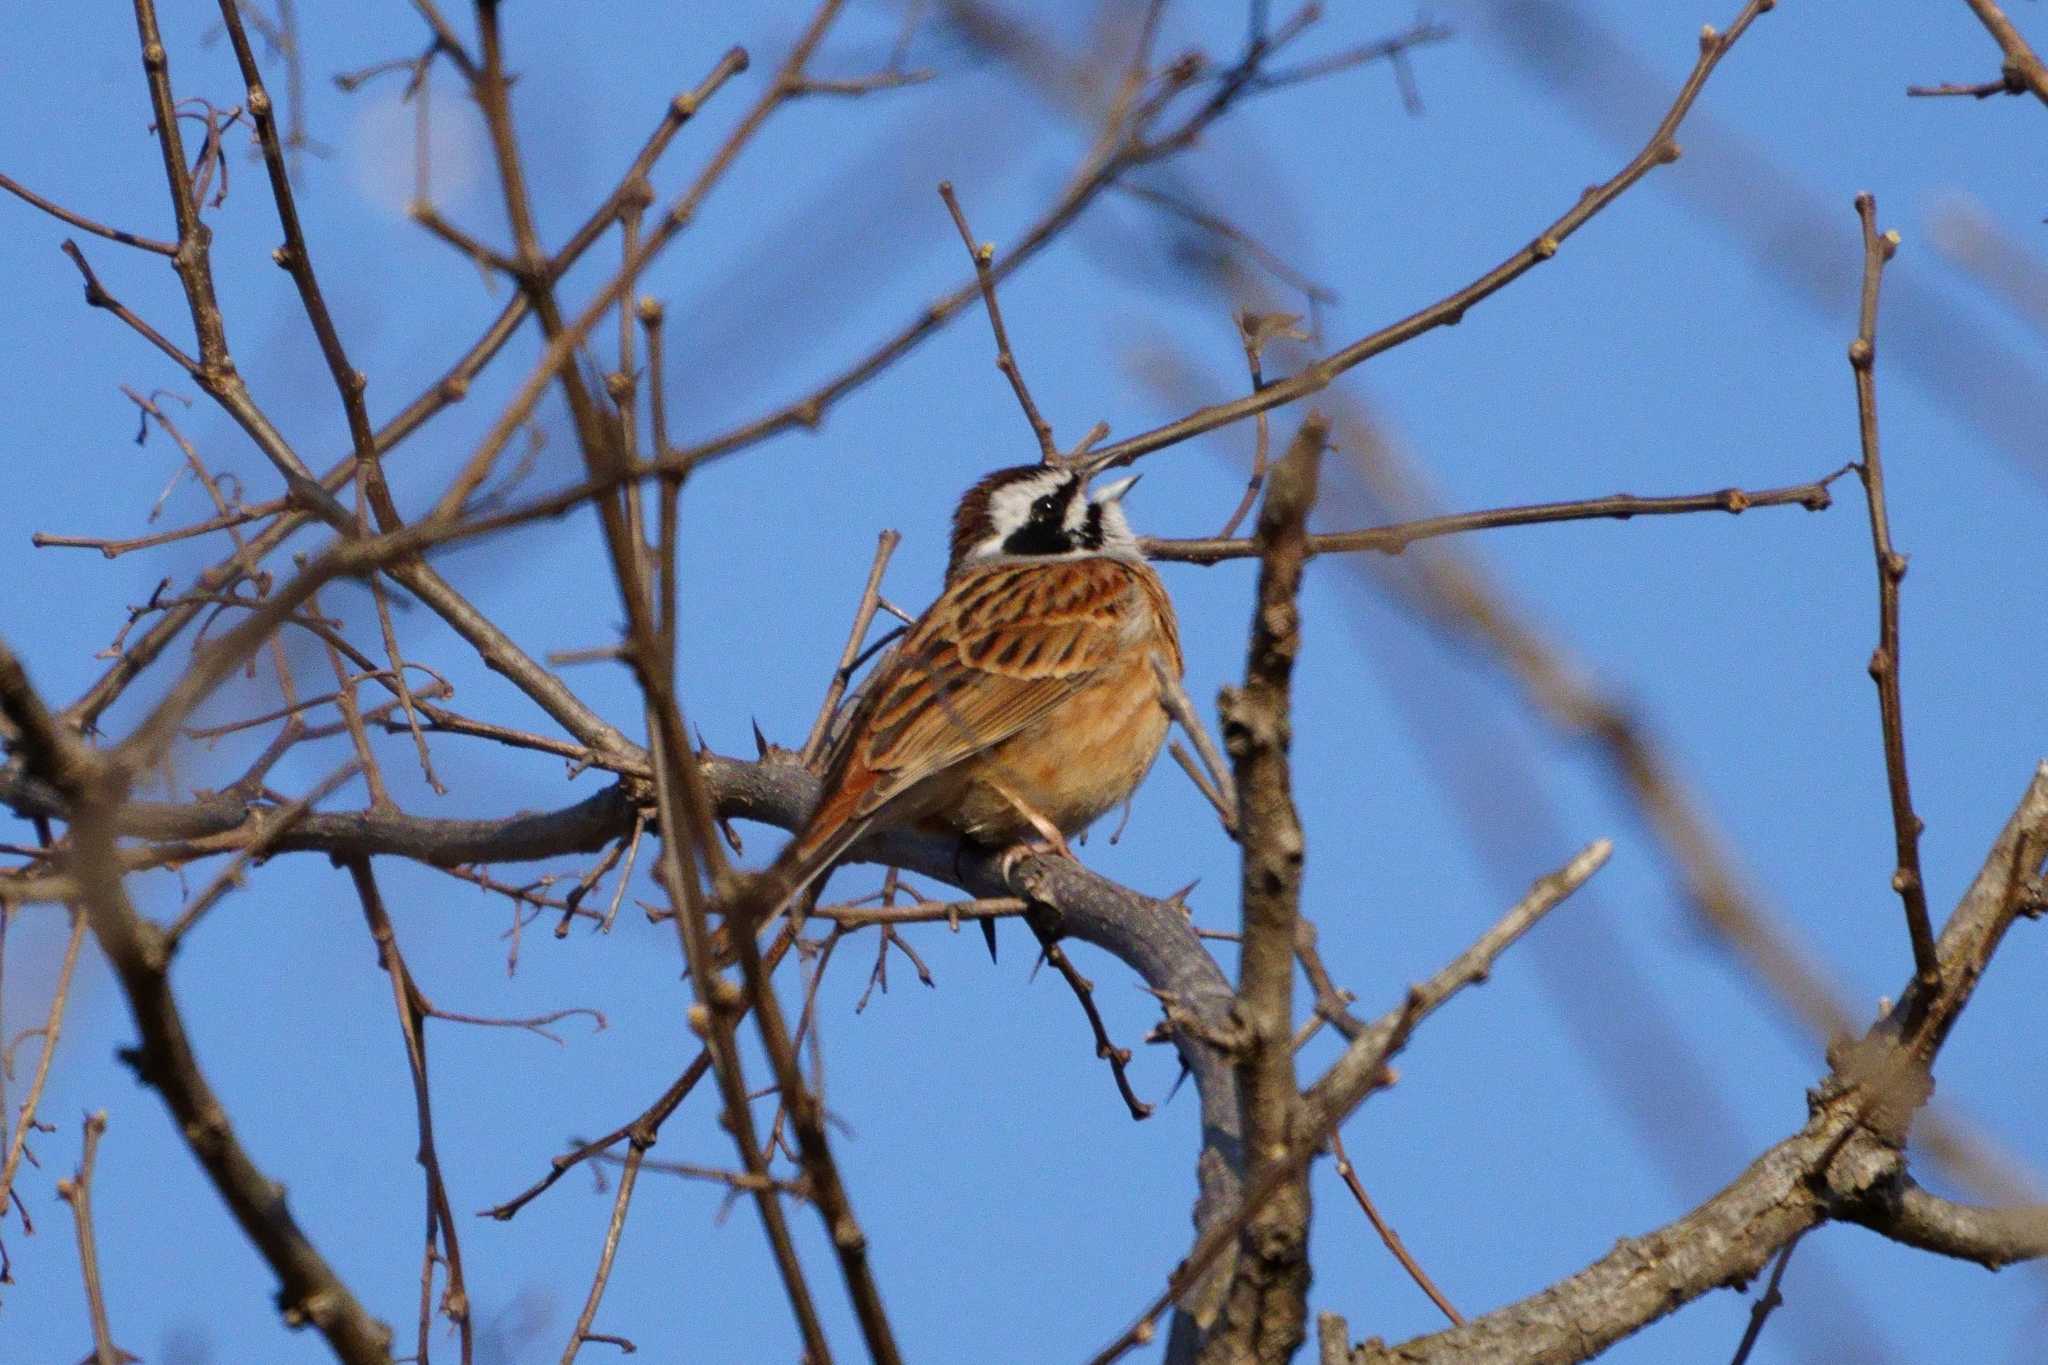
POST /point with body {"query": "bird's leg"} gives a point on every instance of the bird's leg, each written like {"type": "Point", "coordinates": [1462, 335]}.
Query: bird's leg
{"type": "Point", "coordinates": [1051, 840]}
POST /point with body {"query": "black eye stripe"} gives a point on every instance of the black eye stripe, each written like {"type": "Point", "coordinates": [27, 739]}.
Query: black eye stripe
{"type": "Point", "coordinates": [1090, 534]}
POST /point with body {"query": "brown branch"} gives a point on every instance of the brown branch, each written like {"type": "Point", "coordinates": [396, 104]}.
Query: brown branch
{"type": "Point", "coordinates": [1767, 1303]}
{"type": "Point", "coordinates": [856, 636]}
{"type": "Point", "coordinates": [77, 1192]}
{"type": "Point", "coordinates": [1392, 539]}
{"type": "Point", "coordinates": [96, 296]}
{"type": "Point", "coordinates": [53, 1027]}
{"type": "Point", "coordinates": [1992, 1237]}
{"type": "Point", "coordinates": [1006, 360]}
{"type": "Point", "coordinates": [83, 223]}
{"type": "Point", "coordinates": [1659, 150]}
{"type": "Point", "coordinates": [413, 1008]}
{"type": "Point", "coordinates": [2020, 62]}
{"type": "Point", "coordinates": [1119, 1058]}
{"type": "Point", "coordinates": [1361, 1070]}
{"type": "Point", "coordinates": [1847, 1162]}
{"type": "Point", "coordinates": [1388, 1237]}
{"type": "Point", "coordinates": [114, 549]}
{"type": "Point", "coordinates": [1891, 567]}
{"type": "Point", "coordinates": [629, 1177]}
{"type": "Point", "coordinates": [309, 1290]}
{"type": "Point", "coordinates": [1264, 1311]}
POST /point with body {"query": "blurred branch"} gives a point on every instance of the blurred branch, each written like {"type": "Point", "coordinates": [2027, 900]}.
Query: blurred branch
{"type": "Point", "coordinates": [77, 1192]}
{"type": "Point", "coordinates": [94, 785]}
{"type": "Point", "coordinates": [1846, 1162]}
{"type": "Point", "coordinates": [1449, 310]}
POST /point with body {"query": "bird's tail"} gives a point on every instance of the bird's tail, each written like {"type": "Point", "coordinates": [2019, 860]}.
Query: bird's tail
{"type": "Point", "coordinates": [801, 866]}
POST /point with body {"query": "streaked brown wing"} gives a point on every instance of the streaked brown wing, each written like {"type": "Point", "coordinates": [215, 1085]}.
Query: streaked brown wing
{"type": "Point", "coordinates": [999, 649]}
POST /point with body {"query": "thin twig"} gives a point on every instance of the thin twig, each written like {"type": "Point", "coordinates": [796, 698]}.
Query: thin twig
{"type": "Point", "coordinates": [1659, 150]}
{"type": "Point", "coordinates": [442, 1244]}
{"type": "Point", "coordinates": [857, 634]}
{"type": "Point", "coordinates": [52, 1029]}
{"type": "Point", "coordinates": [77, 1192]}
{"type": "Point", "coordinates": [1766, 1302]}
{"type": "Point", "coordinates": [1891, 567]}
{"type": "Point", "coordinates": [83, 223]}
{"type": "Point", "coordinates": [1355, 1075]}
{"type": "Point", "coordinates": [1388, 1236]}
{"type": "Point", "coordinates": [1119, 1058]}
{"type": "Point", "coordinates": [1006, 360]}
{"type": "Point", "coordinates": [628, 1178]}
{"type": "Point", "coordinates": [1392, 539]}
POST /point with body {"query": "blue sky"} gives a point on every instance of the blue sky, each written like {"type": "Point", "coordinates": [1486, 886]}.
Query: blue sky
{"type": "Point", "coordinates": [1619, 1067]}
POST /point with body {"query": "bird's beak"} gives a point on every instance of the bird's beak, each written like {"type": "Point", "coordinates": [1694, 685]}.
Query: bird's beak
{"type": "Point", "coordinates": [1114, 492]}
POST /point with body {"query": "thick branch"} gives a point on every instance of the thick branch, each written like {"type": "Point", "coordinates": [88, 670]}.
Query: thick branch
{"type": "Point", "coordinates": [1993, 1238]}
{"type": "Point", "coordinates": [1834, 1166]}
{"type": "Point", "coordinates": [1265, 1309]}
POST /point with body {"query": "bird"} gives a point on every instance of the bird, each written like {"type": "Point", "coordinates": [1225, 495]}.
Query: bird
{"type": "Point", "coordinates": [1023, 704]}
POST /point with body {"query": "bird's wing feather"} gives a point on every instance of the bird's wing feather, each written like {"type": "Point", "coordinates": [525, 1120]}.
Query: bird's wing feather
{"type": "Point", "coordinates": [998, 650]}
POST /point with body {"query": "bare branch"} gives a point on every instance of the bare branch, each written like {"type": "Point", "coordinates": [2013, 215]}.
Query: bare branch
{"type": "Point", "coordinates": [83, 223]}
{"type": "Point", "coordinates": [1659, 150]}
{"type": "Point", "coordinates": [77, 1192]}
{"type": "Point", "coordinates": [1264, 1309]}
{"type": "Point", "coordinates": [1891, 567]}
{"type": "Point", "coordinates": [1006, 359]}
{"type": "Point", "coordinates": [1359, 1072]}
{"type": "Point", "coordinates": [1846, 1162]}
{"type": "Point", "coordinates": [1393, 539]}
{"type": "Point", "coordinates": [2020, 62]}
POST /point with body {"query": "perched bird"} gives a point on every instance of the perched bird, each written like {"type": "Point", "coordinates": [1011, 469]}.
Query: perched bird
{"type": "Point", "coordinates": [1024, 703]}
